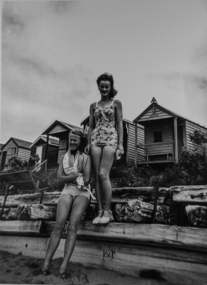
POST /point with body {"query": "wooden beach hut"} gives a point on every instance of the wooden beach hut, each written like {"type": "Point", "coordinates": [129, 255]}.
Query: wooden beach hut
{"type": "Point", "coordinates": [15, 147]}
{"type": "Point", "coordinates": [39, 147]}
{"type": "Point", "coordinates": [60, 131]}
{"type": "Point", "coordinates": [1, 145]}
{"type": "Point", "coordinates": [165, 133]}
{"type": "Point", "coordinates": [128, 139]}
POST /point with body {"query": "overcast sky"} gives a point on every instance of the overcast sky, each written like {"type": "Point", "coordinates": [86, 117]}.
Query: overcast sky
{"type": "Point", "coordinates": [53, 52]}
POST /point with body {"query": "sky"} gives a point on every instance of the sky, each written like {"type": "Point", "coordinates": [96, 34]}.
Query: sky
{"type": "Point", "coordinates": [53, 51]}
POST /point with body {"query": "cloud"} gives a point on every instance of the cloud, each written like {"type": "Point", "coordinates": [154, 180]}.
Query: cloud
{"type": "Point", "coordinates": [11, 20]}
{"type": "Point", "coordinates": [61, 7]}
{"type": "Point", "coordinates": [38, 88]}
{"type": "Point", "coordinates": [175, 80]}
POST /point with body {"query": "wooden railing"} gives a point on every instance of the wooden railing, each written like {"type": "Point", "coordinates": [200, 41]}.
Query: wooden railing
{"type": "Point", "coordinates": [158, 148]}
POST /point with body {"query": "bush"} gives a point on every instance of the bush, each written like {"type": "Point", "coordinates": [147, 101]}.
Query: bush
{"type": "Point", "coordinates": [191, 169]}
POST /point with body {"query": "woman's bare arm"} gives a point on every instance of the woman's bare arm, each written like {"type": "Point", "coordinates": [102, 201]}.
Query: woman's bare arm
{"type": "Point", "coordinates": [91, 126]}
{"type": "Point", "coordinates": [119, 123]}
{"type": "Point", "coordinates": [87, 171]}
{"type": "Point", "coordinates": [62, 179]}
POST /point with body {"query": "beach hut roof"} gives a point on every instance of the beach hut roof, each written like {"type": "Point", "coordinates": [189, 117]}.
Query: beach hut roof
{"type": "Point", "coordinates": [19, 143]}
{"type": "Point", "coordinates": [52, 140]}
{"type": "Point", "coordinates": [167, 111]}
{"type": "Point", "coordinates": [63, 124]}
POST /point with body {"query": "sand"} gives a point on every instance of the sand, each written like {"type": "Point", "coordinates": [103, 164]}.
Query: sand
{"type": "Point", "coordinates": [19, 269]}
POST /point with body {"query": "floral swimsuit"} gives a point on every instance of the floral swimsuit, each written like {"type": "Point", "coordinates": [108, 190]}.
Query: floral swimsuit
{"type": "Point", "coordinates": [104, 133]}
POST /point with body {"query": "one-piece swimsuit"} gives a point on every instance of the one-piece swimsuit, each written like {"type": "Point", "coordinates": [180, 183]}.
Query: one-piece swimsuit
{"type": "Point", "coordinates": [105, 133]}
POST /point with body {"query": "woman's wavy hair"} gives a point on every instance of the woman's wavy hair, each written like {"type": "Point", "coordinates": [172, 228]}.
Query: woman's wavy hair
{"type": "Point", "coordinates": [82, 137]}
{"type": "Point", "coordinates": [108, 77]}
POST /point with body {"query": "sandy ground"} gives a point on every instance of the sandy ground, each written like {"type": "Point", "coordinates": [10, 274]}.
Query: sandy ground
{"type": "Point", "coordinates": [18, 269]}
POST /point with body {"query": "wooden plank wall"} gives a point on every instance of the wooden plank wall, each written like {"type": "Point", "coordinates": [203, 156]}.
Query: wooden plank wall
{"type": "Point", "coordinates": [58, 128]}
{"type": "Point", "coordinates": [6, 148]}
{"type": "Point", "coordinates": [190, 128]}
{"type": "Point", "coordinates": [157, 114]}
{"type": "Point", "coordinates": [62, 148]}
{"type": "Point", "coordinates": [24, 154]}
{"type": "Point", "coordinates": [163, 147]}
{"type": "Point", "coordinates": [131, 143]}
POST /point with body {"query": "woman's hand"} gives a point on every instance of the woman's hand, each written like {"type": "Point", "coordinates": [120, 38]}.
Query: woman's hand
{"type": "Point", "coordinates": [121, 148]}
{"type": "Point", "coordinates": [87, 149]}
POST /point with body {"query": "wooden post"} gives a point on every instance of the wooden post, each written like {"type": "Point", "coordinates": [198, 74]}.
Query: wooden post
{"type": "Point", "coordinates": [135, 152]}
{"type": "Point", "coordinates": [46, 155]}
{"type": "Point", "coordinates": [184, 136]}
{"type": "Point", "coordinates": [156, 189]}
{"type": "Point", "coordinates": [4, 203]}
{"type": "Point", "coordinates": [67, 143]}
{"type": "Point", "coordinates": [176, 139]}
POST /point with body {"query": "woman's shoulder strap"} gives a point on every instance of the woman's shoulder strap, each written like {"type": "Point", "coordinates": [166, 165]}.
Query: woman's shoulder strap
{"type": "Point", "coordinates": [112, 101]}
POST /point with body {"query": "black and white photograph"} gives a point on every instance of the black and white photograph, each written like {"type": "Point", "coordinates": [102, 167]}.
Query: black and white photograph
{"type": "Point", "coordinates": [103, 142]}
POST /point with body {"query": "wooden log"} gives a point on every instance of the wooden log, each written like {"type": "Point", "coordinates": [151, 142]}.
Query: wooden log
{"type": "Point", "coordinates": [197, 215]}
{"type": "Point", "coordinates": [134, 211]}
{"type": "Point", "coordinates": [41, 212]}
{"type": "Point", "coordinates": [20, 227]}
{"type": "Point", "coordinates": [188, 187]}
{"type": "Point", "coordinates": [36, 212]}
{"type": "Point", "coordinates": [174, 265]}
{"type": "Point", "coordinates": [191, 196]}
{"type": "Point", "coordinates": [50, 198]}
{"type": "Point", "coordinates": [5, 212]}
{"type": "Point", "coordinates": [149, 234]}
{"type": "Point", "coordinates": [12, 214]}
{"type": "Point", "coordinates": [119, 195]}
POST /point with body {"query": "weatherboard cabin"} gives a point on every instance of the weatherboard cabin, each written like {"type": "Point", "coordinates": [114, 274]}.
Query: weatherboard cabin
{"type": "Point", "coordinates": [166, 133]}
{"type": "Point", "coordinates": [39, 147]}
{"type": "Point", "coordinates": [59, 131]}
{"type": "Point", "coordinates": [1, 145]}
{"type": "Point", "coordinates": [15, 147]}
{"type": "Point", "coordinates": [128, 139]}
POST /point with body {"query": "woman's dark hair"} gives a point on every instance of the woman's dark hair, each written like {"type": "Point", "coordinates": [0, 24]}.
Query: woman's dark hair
{"type": "Point", "coordinates": [108, 77]}
{"type": "Point", "coordinates": [82, 137]}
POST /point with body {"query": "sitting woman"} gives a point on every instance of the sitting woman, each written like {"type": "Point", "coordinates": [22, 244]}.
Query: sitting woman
{"type": "Point", "coordinates": [74, 166]}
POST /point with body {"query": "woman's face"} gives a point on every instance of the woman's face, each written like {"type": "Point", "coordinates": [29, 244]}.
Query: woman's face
{"type": "Point", "coordinates": [74, 142]}
{"type": "Point", "coordinates": [104, 87]}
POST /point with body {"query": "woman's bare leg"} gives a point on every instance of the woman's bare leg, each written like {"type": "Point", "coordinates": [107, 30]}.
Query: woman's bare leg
{"type": "Point", "coordinates": [63, 208]}
{"type": "Point", "coordinates": [96, 154]}
{"type": "Point", "coordinates": [107, 159]}
{"type": "Point", "coordinates": [79, 207]}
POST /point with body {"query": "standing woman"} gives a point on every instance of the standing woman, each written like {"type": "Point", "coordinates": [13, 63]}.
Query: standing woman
{"type": "Point", "coordinates": [105, 137]}
{"type": "Point", "coordinates": [72, 202]}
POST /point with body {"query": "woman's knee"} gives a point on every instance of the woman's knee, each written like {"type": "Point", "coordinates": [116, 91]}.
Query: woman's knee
{"type": "Point", "coordinates": [59, 226]}
{"type": "Point", "coordinates": [96, 173]}
{"type": "Point", "coordinates": [73, 227]}
{"type": "Point", "coordinates": [103, 176]}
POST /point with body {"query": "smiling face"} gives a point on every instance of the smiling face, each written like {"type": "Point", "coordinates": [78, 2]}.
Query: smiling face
{"type": "Point", "coordinates": [104, 87]}
{"type": "Point", "coordinates": [74, 142]}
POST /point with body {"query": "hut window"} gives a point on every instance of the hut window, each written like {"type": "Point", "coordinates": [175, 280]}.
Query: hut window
{"type": "Point", "coordinates": [157, 136]}
{"type": "Point", "coordinates": [12, 150]}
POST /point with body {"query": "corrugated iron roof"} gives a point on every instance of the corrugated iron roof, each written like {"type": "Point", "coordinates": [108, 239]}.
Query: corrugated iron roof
{"type": "Point", "coordinates": [52, 141]}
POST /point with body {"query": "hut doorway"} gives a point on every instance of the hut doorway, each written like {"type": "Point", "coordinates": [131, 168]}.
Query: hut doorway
{"type": "Point", "coordinates": [3, 160]}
